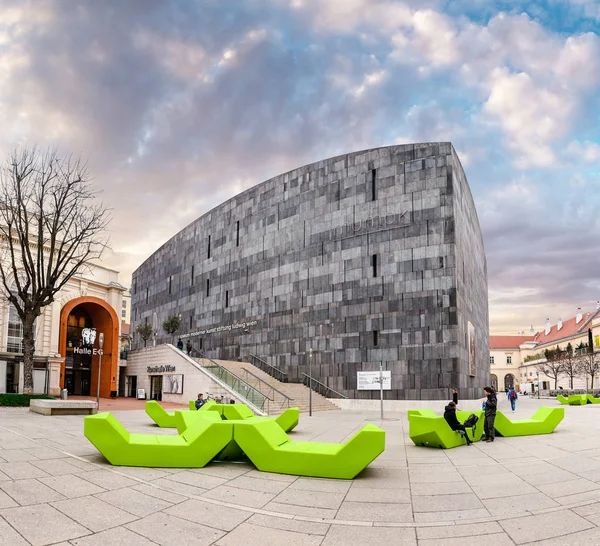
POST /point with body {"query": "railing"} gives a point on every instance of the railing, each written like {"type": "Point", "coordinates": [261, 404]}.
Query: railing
{"type": "Point", "coordinates": [321, 388]}
{"type": "Point", "coordinates": [263, 365]}
{"type": "Point", "coordinates": [268, 390]}
{"type": "Point", "coordinates": [244, 389]}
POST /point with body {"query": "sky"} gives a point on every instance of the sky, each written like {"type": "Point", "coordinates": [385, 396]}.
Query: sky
{"type": "Point", "coordinates": [179, 105]}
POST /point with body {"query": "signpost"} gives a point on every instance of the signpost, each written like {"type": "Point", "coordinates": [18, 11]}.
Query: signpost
{"type": "Point", "coordinates": [371, 381]}
{"type": "Point", "coordinates": [100, 343]}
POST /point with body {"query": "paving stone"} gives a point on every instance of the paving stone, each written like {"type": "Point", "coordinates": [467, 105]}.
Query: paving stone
{"type": "Point", "coordinates": [56, 467]}
{"type": "Point", "coordinates": [158, 493]}
{"type": "Point", "coordinates": [107, 479]}
{"type": "Point", "coordinates": [582, 538]}
{"type": "Point", "coordinates": [440, 503]}
{"type": "Point", "coordinates": [255, 535]}
{"type": "Point", "coordinates": [553, 524]}
{"type": "Point", "coordinates": [6, 501]}
{"type": "Point", "coordinates": [444, 488]}
{"type": "Point", "coordinates": [311, 499]}
{"type": "Point", "coordinates": [401, 496]}
{"type": "Point", "coordinates": [450, 515]}
{"type": "Point", "coordinates": [321, 485]}
{"type": "Point", "coordinates": [9, 536]}
{"type": "Point", "coordinates": [254, 484]}
{"type": "Point", "coordinates": [371, 511]}
{"type": "Point", "coordinates": [203, 481]}
{"type": "Point", "coordinates": [228, 471]}
{"type": "Point", "coordinates": [134, 502]}
{"type": "Point", "coordinates": [30, 492]}
{"type": "Point", "coordinates": [514, 506]}
{"type": "Point", "coordinates": [340, 535]}
{"type": "Point", "coordinates": [16, 455]}
{"type": "Point", "coordinates": [220, 517]}
{"type": "Point", "coordinates": [462, 530]}
{"type": "Point", "coordinates": [298, 526]}
{"type": "Point", "coordinates": [509, 490]}
{"type": "Point", "coordinates": [179, 488]}
{"type": "Point", "coordinates": [93, 513]}
{"type": "Point", "coordinates": [293, 509]}
{"type": "Point", "coordinates": [571, 487]}
{"type": "Point", "coordinates": [26, 520]}
{"type": "Point", "coordinates": [244, 497]}
{"type": "Point", "coordinates": [71, 486]}
{"type": "Point", "coordinates": [497, 539]}
{"type": "Point", "coordinates": [428, 476]}
{"type": "Point", "coordinates": [168, 530]}
{"type": "Point", "coordinates": [119, 536]}
{"type": "Point", "coordinates": [21, 470]}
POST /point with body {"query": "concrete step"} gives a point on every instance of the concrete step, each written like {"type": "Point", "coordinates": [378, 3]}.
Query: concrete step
{"type": "Point", "coordinates": [261, 381]}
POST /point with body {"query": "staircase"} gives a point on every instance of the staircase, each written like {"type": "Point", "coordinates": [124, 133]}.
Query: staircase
{"type": "Point", "coordinates": [261, 381]}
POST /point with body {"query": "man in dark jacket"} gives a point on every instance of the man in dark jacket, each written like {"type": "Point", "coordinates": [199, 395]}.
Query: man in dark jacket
{"type": "Point", "coordinates": [491, 403]}
{"type": "Point", "coordinates": [453, 422]}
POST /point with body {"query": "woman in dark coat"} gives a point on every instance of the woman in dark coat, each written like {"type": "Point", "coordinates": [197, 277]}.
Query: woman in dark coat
{"type": "Point", "coordinates": [491, 404]}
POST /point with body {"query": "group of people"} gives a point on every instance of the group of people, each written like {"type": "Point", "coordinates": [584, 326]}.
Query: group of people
{"type": "Point", "coordinates": [489, 406]}
{"type": "Point", "coordinates": [201, 401]}
{"type": "Point", "coordinates": [188, 346]}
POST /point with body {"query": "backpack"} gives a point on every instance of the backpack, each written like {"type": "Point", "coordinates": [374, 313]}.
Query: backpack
{"type": "Point", "coordinates": [471, 420]}
{"type": "Point", "coordinates": [513, 395]}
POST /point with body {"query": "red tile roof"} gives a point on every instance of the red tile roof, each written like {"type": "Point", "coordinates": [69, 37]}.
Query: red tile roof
{"type": "Point", "coordinates": [508, 342]}
{"type": "Point", "coordinates": [569, 328]}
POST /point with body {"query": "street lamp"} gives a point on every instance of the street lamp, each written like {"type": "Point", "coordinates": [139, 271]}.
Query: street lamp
{"type": "Point", "coordinates": [538, 383]}
{"type": "Point", "coordinates": [310, 382]}
{"type": "Point", "coordinates": [100, 343]}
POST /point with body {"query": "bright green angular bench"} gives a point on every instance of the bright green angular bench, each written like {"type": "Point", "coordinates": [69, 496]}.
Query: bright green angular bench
{"type": "Point", "coordinates": [271, 450]}
{"type": "Point", "coordinates": [592, 400]}
{"type": "Point", "coordinates": [578, 399]}
{"type": "Point", "coordinates": [562, 399]}
{"type": "Point", "coordinates": [426, 428]}
{"type": "Point", "coordinates": [194, 448]}
{"type": "Point", "coordinates": [543, 421]}
{"type": "Point", "coordinates": [288, 420]}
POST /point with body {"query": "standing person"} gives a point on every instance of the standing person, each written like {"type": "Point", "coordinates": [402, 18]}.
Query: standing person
{"type": "Point", "coordinates": [188, 347]}
{"type": "Point", "coordinates": [455, 396]}
{"type": "Point", "coordinates": [180, 344]}
{"type": "Point", "coordinates": [200, 402]}
{"type": "Point", "coordinates": [491, 403]}
{"type": "Point", "coordinates": [453, 422]}
{"type": "Point", "coordinates": [512, 397]}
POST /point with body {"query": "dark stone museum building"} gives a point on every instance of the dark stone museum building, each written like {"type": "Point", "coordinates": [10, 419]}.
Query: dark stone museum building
{"type": "Point", "coordinates": [366, 257]}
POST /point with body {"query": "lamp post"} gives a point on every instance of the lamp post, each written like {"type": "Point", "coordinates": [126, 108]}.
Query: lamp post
{"type": "Point", "coordinates": [100, 343]}
{"type": "Point", "coordinates": [310, 382]}
{"type": "Point", "coordinates": [538, 383]}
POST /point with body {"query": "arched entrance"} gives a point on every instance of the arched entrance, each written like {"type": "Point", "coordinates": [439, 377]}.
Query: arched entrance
{"type": "Point", "coordinates": [509, 381]}
{"type": "Point", "coordinates": [494, 381]}
{"type": "Point", "coordinates": [79, 373]}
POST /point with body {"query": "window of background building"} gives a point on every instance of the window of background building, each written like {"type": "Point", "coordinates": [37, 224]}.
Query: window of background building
{"type": "Point", "coordinates": [14, 338]}
{"type": "Point", "coordinates": [375, 338]}
{"type": "Point", "coordinates": [374, 264]}
{"type": "Point", "coordinates": [491, 359]}
{"type": "Point", "coordinates": [192, 283]}
{"type": "Point", "coordinates": [124, 304]}
{"type": "Point", "coordinates": [124, 313]}
{"type": "Point", "coordinates": [509, 359]}
{"type": "Point", "coordinates": [208, 287]}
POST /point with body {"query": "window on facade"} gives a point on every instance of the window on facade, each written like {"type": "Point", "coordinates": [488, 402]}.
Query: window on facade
{"type": "Point", "coordinates": [135, 287]}
{"type": "Point", "coordinates": [208, 254]}
{"type": "Point", "coordinates": [373, 186]}
{"type": "Point", "coordinates": [200, 343]}
{"type": "Point", "coordinates": [14, 341]}
{"type": "Point", "coordinates": [192, 280]}
{"type": "Point", "coordinates": [491, 359]}
{"type": "Point", "coordinates": [375, 338]}
{"type": "Point", "coordinates": [191, 321]}
{"type": "Point", "coordinates": [124, 313]}
{"type": "Point", "coordinates": [374, 265]}
{"type": "Point", "coordinates": [226, 298]}
{"type": "Point", "coordinates": [208, 287]}
{"type": "Point", "coordinates": [237, 235]}
{"type": "Point", "coordinates": [147, 293]}
{"type": "Point", "coordinates": [509, 359]}
{"type": "Point", "coordinates": [124, 304]}
{"type": "Point", "coordinates": [170, 283]}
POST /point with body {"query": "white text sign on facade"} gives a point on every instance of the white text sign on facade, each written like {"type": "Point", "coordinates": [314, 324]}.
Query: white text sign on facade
{"type": "Point", "coordinates": [369, 381]}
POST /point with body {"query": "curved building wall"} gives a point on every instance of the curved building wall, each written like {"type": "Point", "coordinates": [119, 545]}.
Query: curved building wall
{"type": "Point", "coordinates": [366, 257]}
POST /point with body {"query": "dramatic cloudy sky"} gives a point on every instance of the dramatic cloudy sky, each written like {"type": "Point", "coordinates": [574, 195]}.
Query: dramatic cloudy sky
{"type": "Point", "coordinates": [179, 105]}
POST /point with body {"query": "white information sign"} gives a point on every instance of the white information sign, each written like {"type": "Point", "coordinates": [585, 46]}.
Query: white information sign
{"type": "Point", "coordinates": [141, 394]}
{"type": "Point", "coordinates": [369, 381]}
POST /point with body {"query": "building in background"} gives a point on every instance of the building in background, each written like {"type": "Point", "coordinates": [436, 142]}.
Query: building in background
{"type": "Point", "coordinates": [67, 338]}
{"type": "Point", "coordinates": [126, 307]}
{"type": "Point", "coordinates": [366, 258]}
{"type": "Point", "coordinates": [515, 360]}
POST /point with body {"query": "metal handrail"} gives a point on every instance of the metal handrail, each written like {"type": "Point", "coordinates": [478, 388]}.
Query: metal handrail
{"type": "Point", "coordinates": [223, 374]}
{"type": "Point", "coordinates": [263, 365]}
{"type": "Point", "coordinates": [271, 387]}
{"type": "Point", "coordinates": [308, 378]}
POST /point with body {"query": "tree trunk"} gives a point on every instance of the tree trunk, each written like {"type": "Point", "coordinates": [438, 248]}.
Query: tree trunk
{"type": "Point", "coordinates": [28, 350]}
{"type": "Point", "coordinates": [555, 383]}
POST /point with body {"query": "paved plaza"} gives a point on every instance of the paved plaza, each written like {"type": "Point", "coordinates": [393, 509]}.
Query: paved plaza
{"type": "Point", "coordinates": [56, 489]}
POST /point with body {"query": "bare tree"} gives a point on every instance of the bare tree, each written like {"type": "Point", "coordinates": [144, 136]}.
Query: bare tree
{"type": "Point", "coordinates": [52, 227]}
{"type": "Point", "coordinates": [571, 366]}
{"type": "Point", "coordinates": [589, 365]}
{"type": "Point", "coordinates": [551, 368]}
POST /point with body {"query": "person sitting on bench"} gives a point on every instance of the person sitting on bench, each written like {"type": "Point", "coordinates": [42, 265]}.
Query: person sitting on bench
{"type": "Point", "coordinates": [454, 423]}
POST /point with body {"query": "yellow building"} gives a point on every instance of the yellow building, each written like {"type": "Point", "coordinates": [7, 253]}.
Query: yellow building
{"type": "Point", "coordinates": [513, 359]}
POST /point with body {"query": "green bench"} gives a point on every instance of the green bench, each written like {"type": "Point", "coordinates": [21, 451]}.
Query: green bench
{"type": "Point", "coordinates": [426, 428]}
{"type": "Point", "coordinates": [543, 421]}
{"type": "Point", "coordinates": [288, 420]}
{"type": "Point", "coordinates": [577, 399]}
{"type": "Point", "coordinates": [208, 437]}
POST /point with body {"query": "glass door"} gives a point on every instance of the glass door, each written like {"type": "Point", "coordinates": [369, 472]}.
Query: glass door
{"type": "Point", "coordinates": [156, 387]}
